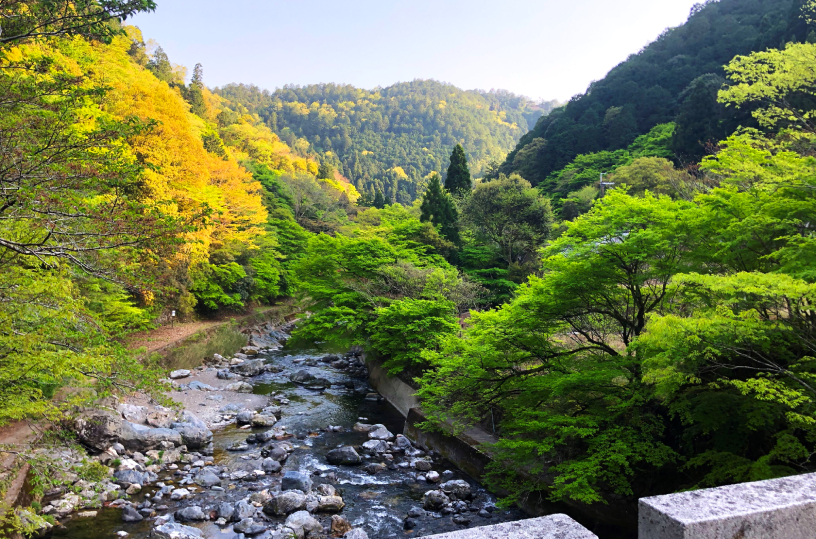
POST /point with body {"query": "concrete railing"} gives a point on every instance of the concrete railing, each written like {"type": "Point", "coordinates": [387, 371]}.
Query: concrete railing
{"type": "Point", "coordinates": [549, 527]}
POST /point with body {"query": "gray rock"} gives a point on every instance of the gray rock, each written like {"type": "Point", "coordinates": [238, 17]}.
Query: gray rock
{"type": "Point", "coordinates": [330, 504]}
{"type": "Point", "coordinates": [376, 446]}
{"type": "Point", "coordinates": [318, 383]}
{"type": "Point", "coordinates": [249, 527]}
{"type": "Point", "coordinates": [176, 531]}
{"type": "Point", "coordinates": [225, 510]}
{"type": "Point", "coordinates": [181, 373]}
{"type": "Point", "coordinates": [136, 414]}
{"type": "Point", "coordinates": [129, 514]}
{"type": "Point", "coordinates": [356, 533]}
{"type": "Point", "coordinates": [207, 478]}
{"type": "Point", "coordinates": [270, 465]}
{"type": "Point", "coordinates": [191, 513]}
{"type": "Point", "coordinates": [277, 453]}
{"type": "Point", "coordinates": [285, 503]}
{"type": "Point", "coordinates": [239, 387]}
{"type": "Point", "coordinates": [381, 433]}
{"type": "Point", "coordinates": [458, 489]}
{"type": "Point", "coordinates": [244, 417]}
{"type": "Point", "coordinates": [343, 455]}
{"type": "Point", "coordinates": [402, 443]}
{"type": "Point", "coordinates": [244, 510]}
{"type": "Point", "coordinates": [301, 377]}
{"type": "Point", "coordinates": [129, 477]}
{"type": "Point", "coordinates": [296, 481]}
{"type": "Point", "coordinates": [422, 465]}
{"type": "Point", "coordinates": [200, 386]}
{"type": "Point", "coordinates": [303, 524]}
{"type": "Point", "coordinates": [193, 437]}
{"type": "Point", "coordinates": [415, 512]}
{"type": "Point", "coordinates": [326, 490]}
{"type": "Point", "coordinates": [433, 500]}
{"type": "Point", "coordinates": [249, 368]}
{"type": "Point", "coordinates": [192, 419]}
{"type": "Point", "coordinates": [101, 429]}
{"type": "Point", "coordinates": [264, 420]}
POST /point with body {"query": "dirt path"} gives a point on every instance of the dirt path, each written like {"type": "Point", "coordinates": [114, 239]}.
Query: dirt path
{"type": "Point", "coordinates": [166, 336]}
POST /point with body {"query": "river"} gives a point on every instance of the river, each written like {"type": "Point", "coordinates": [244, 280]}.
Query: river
{"type": "Point", "coordinates": [377, 504]}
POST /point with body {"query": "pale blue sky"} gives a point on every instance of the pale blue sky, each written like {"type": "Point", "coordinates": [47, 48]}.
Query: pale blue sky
{"type": "Point", "coordinates": [542, 49]}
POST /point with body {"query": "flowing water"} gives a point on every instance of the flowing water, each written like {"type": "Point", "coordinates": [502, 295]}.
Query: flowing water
{"type": "Point", "coordinates": [376, 503]}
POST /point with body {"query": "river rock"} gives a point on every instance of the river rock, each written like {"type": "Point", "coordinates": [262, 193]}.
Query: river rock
{"type": "Point", "coordinates": [264, 420]}
{"type": "Point", "coordinates": [225, 374]}
{"type": "Point", "coordinates": [244, 417]}
{"type": "Point", "coordinates": [301, 377]}
{"type": "Point", "coordinates": [422, 465]}
{"type": "Point", "coordinates": [374, 468]}
{"type": "Point", "coordinates": [176, 531]}
{"type": "Point", "coordinates": [225, 510]}
{"type": "Point", "coordinates": [402, 443]}
{"type": "Point", "coordinates": [433, 477]}
{"type": "Point", "coordinates": [415, 512]}
{"type": "Point", "coordinates": [191, 513]}
{"type": "Point", "coordinates": [249, 527]}
{"type": "Point", "coordinates": [129, 477]}
{"type": "Point", "coordinates": [131, 412]}
{"type": "Point", "coordinates": [193, 437]}
{"type": "Point", "coordinates": [101, 429]}
{"type": "Point", "coordinates": [160, 419]}
{"type": "Point", "coordinates": [330, 504]}
{"type": "Point", "coordinates": [207, 478]}
{"type": "Point", "coordinates": [339, 525]}
{"type": "Point", "coordinates": [303, 524]}
{"type": "Point", "coordinates": [200, 386]}
{"type": "Point", "coordinates": [270, 465]}
{"type": "Point", "coordinates": [458, 489]}
{"type": "Point", "coordinates": [239, 387]}
{"type": "Point", "coordinates": [181, 373]}
{"type": "Point", "coordinates": [318, 383]}
{"type": "Point", "coordinates": [433, 500]}
{"type": "Point", "coordinates": [249, 368]}
{"type": "Point", "coordinates": [276, 452]}
{"type": "Point", "coordinates": [129, 514]}
{"type": "Point", "coordinates": [285, 503]}
{"type": "Point", "coordinates": [243, 510]}
{"type": "Point", "coordinates": [363, 427]}
{"type": "Point", "coordinates": [410, 523]}
{"type": "Point", "coordinates": [179, 494]}
{"type": "Point", "coordinates": [296, 481]}
{"type": "Point", "coordinates": [376, 446]}
{"type": "Point", "coordinates": [381, 433]}
{"type": "Point", "coordinates": [356, 533]}
{"type": "Point", "coordinates": [343, 455]}
{"type": "Point", "coordinates": [326, 490]}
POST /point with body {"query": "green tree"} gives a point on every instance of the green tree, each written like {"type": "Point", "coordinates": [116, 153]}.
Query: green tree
{"type": "Point", "coordinates": [458, 181]}
{"type": "Point", "coordinates": [511, 215]}
{"type": "Point", "coordinates": [379, 200]}
{"type": "Point", "coordinates": [194, 93]}
{"type": "Point", "coordinates": [439, 208]}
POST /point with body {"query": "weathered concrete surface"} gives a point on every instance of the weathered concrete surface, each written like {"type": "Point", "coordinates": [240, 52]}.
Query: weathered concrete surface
{"type": "Point", "coordinates": [550, 527]}
{"type": "Point", "coordinates": [398, 393]}
{"type": "Point", "coordinates": [774, 509]}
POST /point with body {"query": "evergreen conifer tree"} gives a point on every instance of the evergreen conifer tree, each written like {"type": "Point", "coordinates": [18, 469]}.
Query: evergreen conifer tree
{"type": "Point", "coordinates": [458, 181]}
{"type": "Point", "coordinates": [439, 208]}
{"type": "Point", "coordinates": [195, 96]}
{"type": "Point", "coordinates": [379, 200]}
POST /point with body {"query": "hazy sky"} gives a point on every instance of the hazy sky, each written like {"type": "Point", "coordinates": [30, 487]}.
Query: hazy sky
{"type": "Point", "coordinates": [542, 49]}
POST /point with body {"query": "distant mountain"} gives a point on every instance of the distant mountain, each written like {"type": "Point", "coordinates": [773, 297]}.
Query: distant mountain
{"type": "Point", "coordinates": [389, 139]}
{"type": "Point", "coordinates": [674, 79]}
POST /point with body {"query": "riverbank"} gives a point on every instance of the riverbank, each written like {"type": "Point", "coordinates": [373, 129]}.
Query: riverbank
{"type": "Point", "coordinates": [253, 450]}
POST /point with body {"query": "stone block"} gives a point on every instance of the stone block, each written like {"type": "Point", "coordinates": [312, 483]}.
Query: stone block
{"type": "Point", "coordinates": [549, 527]}
{"type": "Point", "coordinates": [774, 509]}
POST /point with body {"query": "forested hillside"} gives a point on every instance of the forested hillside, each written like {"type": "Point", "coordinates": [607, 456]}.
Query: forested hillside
{"type": "Point", "coordinates": [674, 79]}
{"type": "Point", "coordinates": [390, 139]}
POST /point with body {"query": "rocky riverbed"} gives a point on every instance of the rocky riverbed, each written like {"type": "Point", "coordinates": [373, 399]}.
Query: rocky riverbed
{"type": "Point", "coordinates": [271, 443]}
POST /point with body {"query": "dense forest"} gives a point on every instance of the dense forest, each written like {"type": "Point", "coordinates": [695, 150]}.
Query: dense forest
{"type": "Point", "coordinates": [390, 139]}
{"type": "Point", "coordinates": [674, 79]}
{"type": "Point", "coordinates": [645, 335]}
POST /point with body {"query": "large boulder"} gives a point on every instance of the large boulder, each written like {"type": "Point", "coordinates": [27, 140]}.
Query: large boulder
{"type": "Point", "coordinates": [264, 420]}
{"type": "Point", "coordinates": [296, 481]}
{"type": "Point", "coordinates": [249, 368]}
{"type": "Point", "coordinates": [301, 377]}
{"type": "Point", "coordinates": [458, 489]}
{"type": "Point", "coordinates": [434, 500]}
{"type": "Point", "coordinates": [176, 531]}
{"type": "Point", "coordinates": [303, 524]}
{"type": "Point", "coordinates": [131, 412]}
{"type": "Point", "coordinates": [285, 503]}
{"type": "Point", "coordinates": [207, 478]}
{"type": "Point", "coordinates": [376, 446]}
{"type": "Point", "coordinates": [192, 436]}
{"type": "Point", "coordinates": [248, 526]}
{"type": "Point", "coordinates": [330, 504]}
{"type": "Point", "coordinates": [270, 465]}
{"type": "Point", "coordinates": [194, 513]}
{"type": "Point", "coordinates": [239, 387]}
{"type": "Point", "coordinates": [244, 509]}
{"type": "Point", "coordinates": [140, 438]}
{"type": "Point", "coordinates": [343, 455]}
{"type": "Point", "coordinates": [381, 433]}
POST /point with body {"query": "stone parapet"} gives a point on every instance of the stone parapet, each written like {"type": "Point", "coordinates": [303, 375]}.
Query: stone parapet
{"type": "Point", "coordinates": [550, 527]}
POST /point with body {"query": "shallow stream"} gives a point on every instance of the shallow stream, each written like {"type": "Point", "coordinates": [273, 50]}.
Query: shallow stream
{"type": "Point", "coordinates": [378, 504]}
